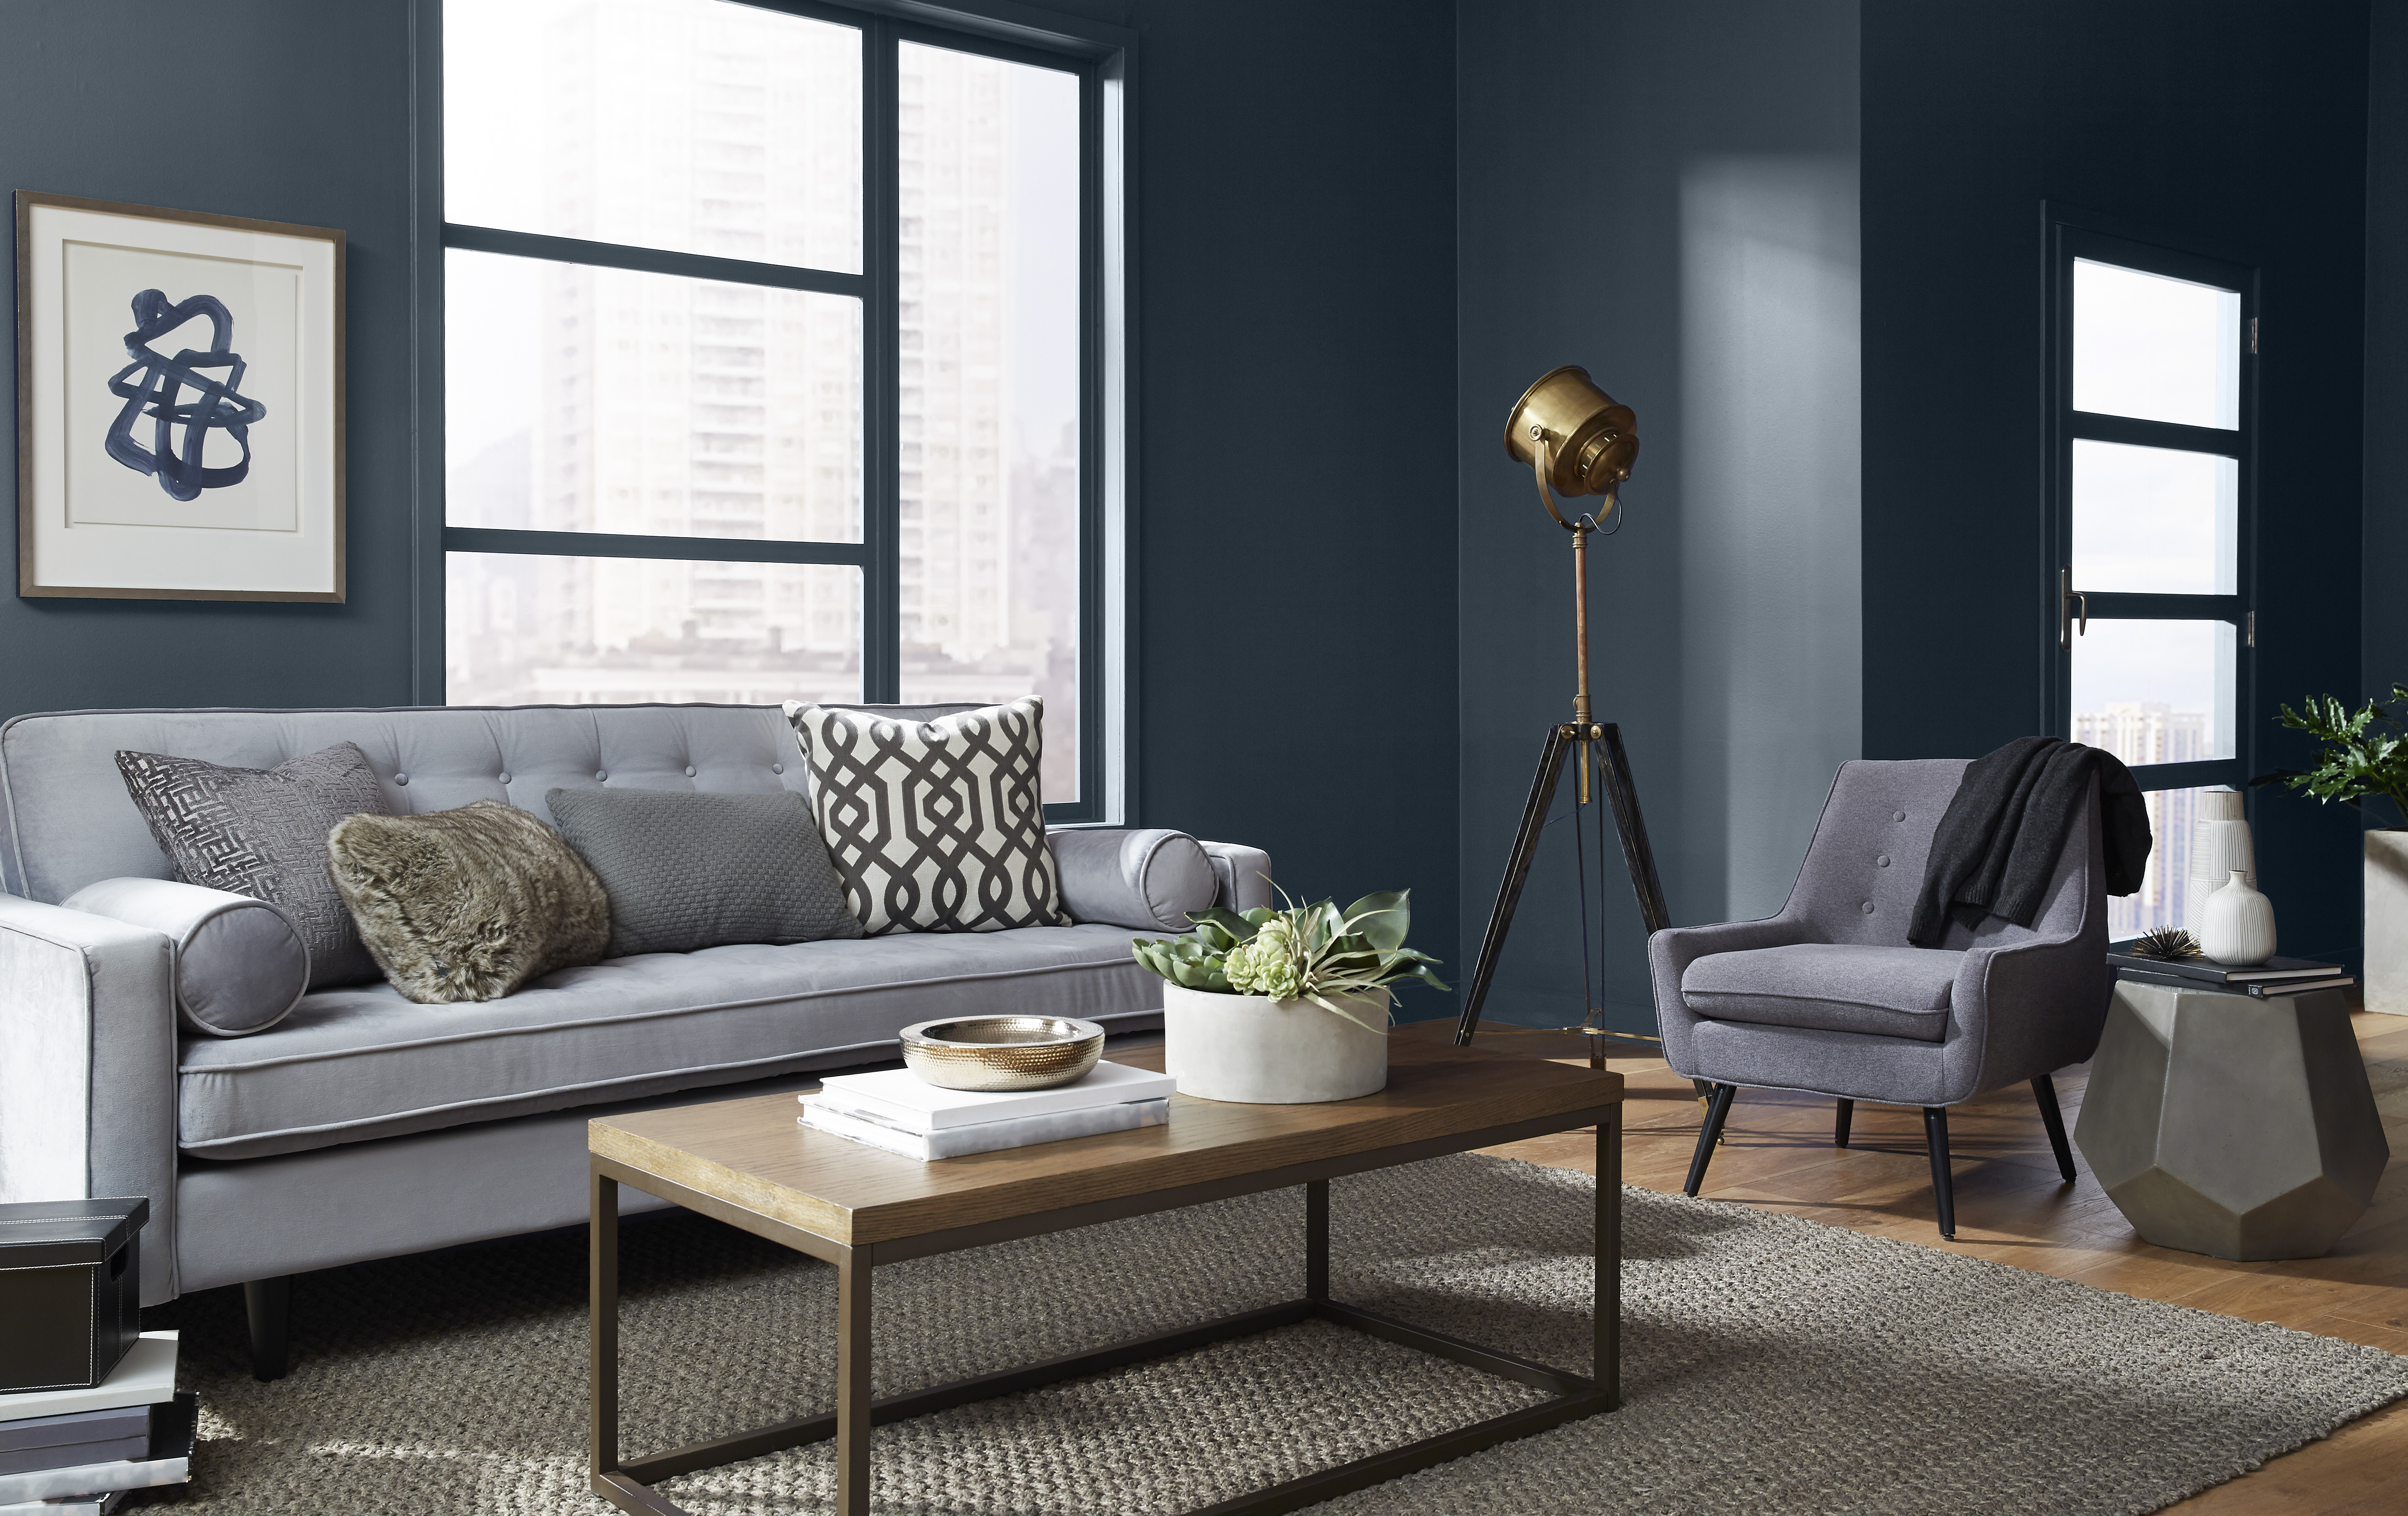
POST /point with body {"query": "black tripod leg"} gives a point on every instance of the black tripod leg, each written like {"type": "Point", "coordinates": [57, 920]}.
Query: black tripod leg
{"type": "Point", "coordinates": [1623, 791]}
{"type": "Point", "coordinates": [1517, 873]}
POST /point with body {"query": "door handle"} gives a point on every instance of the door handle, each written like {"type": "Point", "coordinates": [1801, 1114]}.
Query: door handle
{"type": "Point", "coordinates": [2066, 615]}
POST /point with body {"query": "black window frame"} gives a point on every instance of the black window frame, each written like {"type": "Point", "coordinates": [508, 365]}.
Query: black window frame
{"type": "Point", "coordinates": [1103, 59]}
{"type": "Point", "coordinates": [2072, 236]}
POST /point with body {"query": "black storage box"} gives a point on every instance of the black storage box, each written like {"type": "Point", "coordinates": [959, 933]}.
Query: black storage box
{"type": "Point", "coordinates": [70, 1291]}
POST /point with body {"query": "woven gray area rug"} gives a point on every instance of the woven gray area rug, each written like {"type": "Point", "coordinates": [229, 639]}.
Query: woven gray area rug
{"type": "Point", "coordinates": [1772, 1365]}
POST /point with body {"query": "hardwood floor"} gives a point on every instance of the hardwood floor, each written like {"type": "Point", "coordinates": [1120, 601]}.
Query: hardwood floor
{"type": "Point", "coordinates": [2011, 1206]}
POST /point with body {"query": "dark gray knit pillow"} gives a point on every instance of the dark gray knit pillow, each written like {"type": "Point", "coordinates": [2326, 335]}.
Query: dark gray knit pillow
{"type": "Point", "coordinates": [686, 871]}
{"type": "Point", "coordinates": [261, 832]}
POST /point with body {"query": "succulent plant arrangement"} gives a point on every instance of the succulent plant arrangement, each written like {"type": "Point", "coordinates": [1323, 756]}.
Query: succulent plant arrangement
{"type": "Point", "coordinates": [2362, 753]}
{"type": "Point", "coordinates": [1313, 952]}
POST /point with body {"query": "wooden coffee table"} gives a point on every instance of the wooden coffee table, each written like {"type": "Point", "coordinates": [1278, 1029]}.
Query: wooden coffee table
{"type": "Point", "coordinates": [749, 1163]}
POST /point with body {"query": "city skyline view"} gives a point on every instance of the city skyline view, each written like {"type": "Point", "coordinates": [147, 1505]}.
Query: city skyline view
{"type": "Point", "coordinates": [593, 400]}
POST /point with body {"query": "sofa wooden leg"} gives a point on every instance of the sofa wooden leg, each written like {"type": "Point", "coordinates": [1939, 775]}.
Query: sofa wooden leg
{"type": "Point", "coordinates": [1944, 1187]}
{"type": "Point", "coordinates": [269, 1305]}
{"type": "Point", "coordinates": [1707, 1135]}
{"type": "Point", "coordinates": [1839, 1124]}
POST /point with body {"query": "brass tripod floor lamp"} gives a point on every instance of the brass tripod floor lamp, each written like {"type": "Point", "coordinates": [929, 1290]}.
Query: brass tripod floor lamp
{"type": "Point", "coordinates": [1576, 438]}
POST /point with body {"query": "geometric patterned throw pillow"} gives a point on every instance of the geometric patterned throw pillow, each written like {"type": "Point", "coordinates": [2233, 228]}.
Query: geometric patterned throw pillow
{"type": "Point", "coordinates": [261, 832]}
{"type": "Point", "coordinates": [935, 826]}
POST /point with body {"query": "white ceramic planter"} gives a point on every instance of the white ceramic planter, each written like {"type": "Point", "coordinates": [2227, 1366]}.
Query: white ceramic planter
{"type": "Point", "coordinates": [1260, 1051]}
{"type": "Point", "coordinates": [2387, 921]}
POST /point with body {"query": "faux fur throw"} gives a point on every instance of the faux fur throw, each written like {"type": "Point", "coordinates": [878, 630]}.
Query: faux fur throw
{"type": "Point", "coordinates": [467, 904]}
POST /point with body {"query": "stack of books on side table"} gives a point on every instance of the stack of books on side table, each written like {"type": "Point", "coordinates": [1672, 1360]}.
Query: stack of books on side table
{"type": "Point", "coordinates": [897, 1110]}
{"type": "Point", "coordinates": [83, 1451]}
{"type": "Point", "coordinates": [2275, 976]}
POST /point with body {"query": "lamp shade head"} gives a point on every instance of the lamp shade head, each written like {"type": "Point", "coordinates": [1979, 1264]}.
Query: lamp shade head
{"type": "Point", "coordinates": [1591, 439]}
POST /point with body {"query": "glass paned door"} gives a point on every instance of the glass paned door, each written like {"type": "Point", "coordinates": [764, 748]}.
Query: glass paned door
{"type": "Point", "coordinates": [2151, 625]}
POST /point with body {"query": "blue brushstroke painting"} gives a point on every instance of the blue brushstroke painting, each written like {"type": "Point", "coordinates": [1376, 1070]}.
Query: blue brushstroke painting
{"type": "Point", "coordinates": [158, 392]}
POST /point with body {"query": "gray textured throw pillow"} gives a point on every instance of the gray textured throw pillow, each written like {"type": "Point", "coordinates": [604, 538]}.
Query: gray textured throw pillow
{"type": "Point", "coordinates": [261, 832]}
{"type": "Point", "coordinates": [686, 871]}
{"type": "Point", "coordinates": [468, 905]}
{"type": "Point", "coordinates": [938, 824]}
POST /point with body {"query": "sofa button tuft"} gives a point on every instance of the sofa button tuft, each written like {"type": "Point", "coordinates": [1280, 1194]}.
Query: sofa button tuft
{"type": "Point", "coordinates": [689, 771]}
{"type": "Point", "coordinates": [401, 778]}
{"type": "Point", "coordinates": [1869, 907]}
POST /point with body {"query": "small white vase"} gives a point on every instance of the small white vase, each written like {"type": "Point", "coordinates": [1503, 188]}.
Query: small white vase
{"type": "Point", "coordinates": [2238, 926]}
{"type": "Point", "coordinates": [1256, 1050]}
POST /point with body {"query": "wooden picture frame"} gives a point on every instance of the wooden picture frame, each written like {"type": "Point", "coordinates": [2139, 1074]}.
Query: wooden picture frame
{"type": "Point", "coordinates": [180, 404]}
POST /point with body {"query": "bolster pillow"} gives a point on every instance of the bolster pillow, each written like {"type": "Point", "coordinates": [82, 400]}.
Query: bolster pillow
{"type": "Point", "coordinates": [1147, 879]}
{"type": "Point", "coordinates": [240, 964]}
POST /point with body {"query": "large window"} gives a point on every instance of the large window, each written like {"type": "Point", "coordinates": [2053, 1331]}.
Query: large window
{"type": "Point", "coordinates": [2152, 501]}
{"type": "Point", "coordinates": [772, 364]}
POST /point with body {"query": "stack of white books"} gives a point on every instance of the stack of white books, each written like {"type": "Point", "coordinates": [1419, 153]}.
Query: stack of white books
{"type": "Point", "coordinates": [897, 1110]}
{"type": "Point", "coordinates": [78, 1453]}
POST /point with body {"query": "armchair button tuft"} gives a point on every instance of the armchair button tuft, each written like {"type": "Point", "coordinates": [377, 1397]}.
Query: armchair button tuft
{"type": "Point", "coordinates": [689, 771]}
{"type": "Point", "coordinates": [506, 778]}
{"type": "Point", "coordinates": [1869, 907]}
{"type": "Point", "coordinates": [1882, 861]}
{"type": "Point", "coordinates": [401, 778]}
{"type": "Point", "coordinates": [601, 773]}
{"type": "Point", "coordinates": [776, 768]}
{"type": "Point", "coordinates": [1897, 815]}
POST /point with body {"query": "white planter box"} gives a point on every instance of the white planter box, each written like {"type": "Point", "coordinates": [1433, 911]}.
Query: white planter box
{"type": "Point", "coordinates": [2387, 921]}
{"type": "Point", "coordinates": [1259, 1051]}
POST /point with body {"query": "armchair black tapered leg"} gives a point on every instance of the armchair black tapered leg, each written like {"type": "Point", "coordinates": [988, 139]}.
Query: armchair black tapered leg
{"type": "Point", "coordinates": [269, 1305]}
{"type": "Point", "coordinates": [1839, 1125]}
{"type": "Point", "coordinates": [1708, 1134]}
{"type": "Point", "coordinates": [2045, 1091]}
{"type": "Point", "coordinates": [1943, 1187]}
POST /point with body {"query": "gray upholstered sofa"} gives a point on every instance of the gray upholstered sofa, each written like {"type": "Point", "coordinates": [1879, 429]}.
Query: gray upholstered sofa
{"type": "Point", "coordinates": [364, 1125]}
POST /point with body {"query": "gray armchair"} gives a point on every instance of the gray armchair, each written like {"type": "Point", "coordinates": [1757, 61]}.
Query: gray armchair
{"type": "Point", "coordinates": [1829, 997]}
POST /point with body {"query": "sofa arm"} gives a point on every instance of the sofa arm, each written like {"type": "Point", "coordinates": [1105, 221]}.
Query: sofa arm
{"type": "Point", "coordinates": [1669, 953]}
{"type": "Point", "coordinates": [1148, 879]}
{"type": "Point", "coordinates": [1243, 875]}
{"type": "Point", "coordinates": [88, 1068]}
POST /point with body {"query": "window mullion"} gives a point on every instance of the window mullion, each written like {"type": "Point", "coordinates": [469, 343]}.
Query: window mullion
{"type": "Point", "coordinates": [882, 399]}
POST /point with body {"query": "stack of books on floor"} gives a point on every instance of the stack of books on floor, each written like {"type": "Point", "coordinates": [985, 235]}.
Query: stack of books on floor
{"type": "Point", "coordinates": [897, 1110]}
{"type": "Point", "coordinates": [2275, 976]}
{"type": "Point", "coordinates": [85, 1451]}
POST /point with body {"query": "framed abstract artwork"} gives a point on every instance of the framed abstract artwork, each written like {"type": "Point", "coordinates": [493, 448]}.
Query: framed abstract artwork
{"type": "Point", "coordinates": [180, 404]}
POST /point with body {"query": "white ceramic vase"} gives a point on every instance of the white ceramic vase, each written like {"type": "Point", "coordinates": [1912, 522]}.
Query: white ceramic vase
{"type": "Point", "coordinates": [2387, 920]}
{"type": "Point", "coordinates": [1259, 1051]}
{"type": "Point", "coordinates": [2219, 844]}
{"type": "Point", "coordinates": [2238, 926]}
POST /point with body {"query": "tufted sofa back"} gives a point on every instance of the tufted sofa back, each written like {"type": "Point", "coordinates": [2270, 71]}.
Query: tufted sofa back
{"type": "Point", "coordinates": [66, 820]}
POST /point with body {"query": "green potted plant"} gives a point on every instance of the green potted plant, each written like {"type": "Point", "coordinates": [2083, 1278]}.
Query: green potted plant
{"type": "Point", "coordinates": [1284, 1007]}
{"type": "Point", "coordinates": [2362, 755]}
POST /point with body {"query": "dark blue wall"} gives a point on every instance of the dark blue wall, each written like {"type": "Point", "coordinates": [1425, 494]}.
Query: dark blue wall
{"type": "Point", "coordinates": [1297, 518]}
{"type": "Point", "coordinates": [2384, 646]}
{"type": "Point", "coordinates": [1665, 196]}
{"type": "Point", "coordinates": [288, 110]}
{"type": "Point", "coordinates": [2238, 120]}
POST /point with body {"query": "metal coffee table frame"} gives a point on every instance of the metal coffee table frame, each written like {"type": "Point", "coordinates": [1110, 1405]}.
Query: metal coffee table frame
{"type": "Point", "coordinates": [629, 1482]}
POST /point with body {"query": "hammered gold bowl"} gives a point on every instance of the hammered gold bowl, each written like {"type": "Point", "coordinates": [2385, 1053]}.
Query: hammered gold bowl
{"type": "Point", "coordinates": [1002, 1052]}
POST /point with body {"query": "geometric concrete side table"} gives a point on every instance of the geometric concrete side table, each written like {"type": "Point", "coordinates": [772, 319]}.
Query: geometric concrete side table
{"type": "Point", "coordinates": [2224, 1124]}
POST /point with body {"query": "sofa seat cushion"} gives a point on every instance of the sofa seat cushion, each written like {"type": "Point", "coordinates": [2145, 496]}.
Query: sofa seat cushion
{"type": "Point", "coordinates": [360, 1062]}
{"type": "Point", "coordinates": [1829, 986]}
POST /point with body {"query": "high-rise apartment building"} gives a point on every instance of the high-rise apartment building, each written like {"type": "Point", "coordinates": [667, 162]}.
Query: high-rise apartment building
{"type": "Point", "coordinates": [2149, 731]}
{"type": "Point", "coordinates": [671, 407]}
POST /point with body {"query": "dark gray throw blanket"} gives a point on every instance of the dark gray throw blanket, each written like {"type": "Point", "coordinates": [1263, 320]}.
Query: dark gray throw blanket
{"type": "Point", "coordinates": [1998, 843]}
